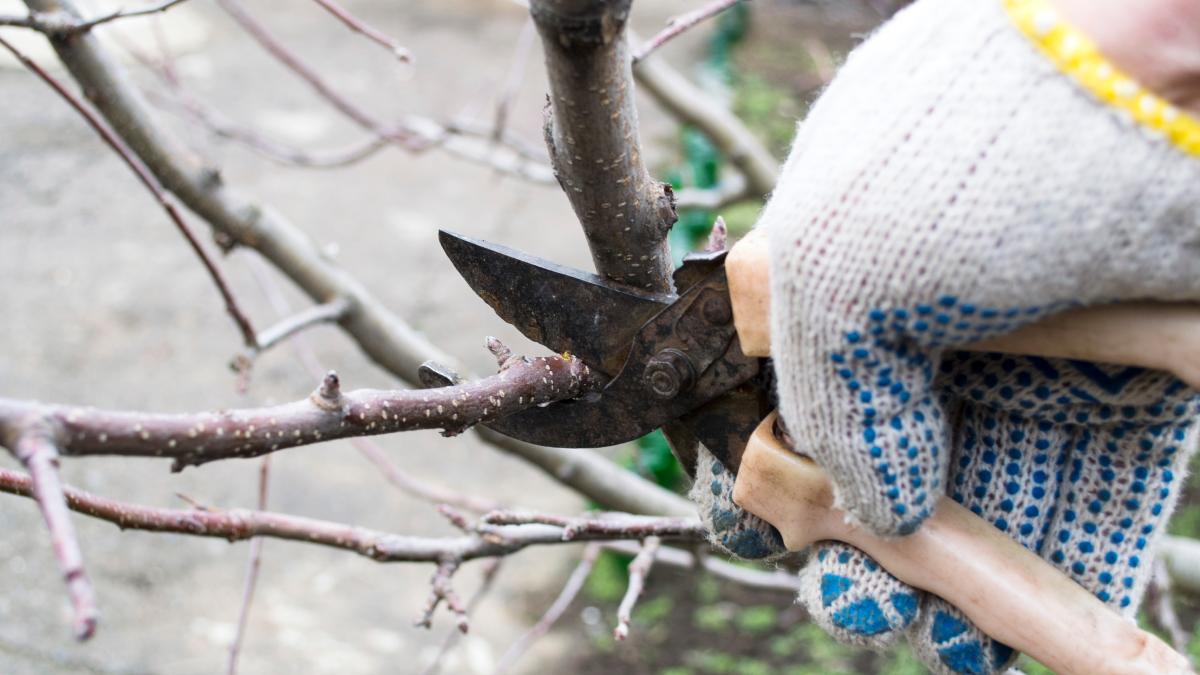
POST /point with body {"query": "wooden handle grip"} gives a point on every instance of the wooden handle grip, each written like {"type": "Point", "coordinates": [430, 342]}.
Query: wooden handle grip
{"type": "Point", "coordinates": [1006, 590]}
{"type": "Point", "coordinates": [1164, 336]}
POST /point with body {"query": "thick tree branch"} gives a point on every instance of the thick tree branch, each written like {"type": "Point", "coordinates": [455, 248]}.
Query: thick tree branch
{"type": "Point", "coordinates": [328, 414]}
{"type": "Point", "coordinates": [592, 134]}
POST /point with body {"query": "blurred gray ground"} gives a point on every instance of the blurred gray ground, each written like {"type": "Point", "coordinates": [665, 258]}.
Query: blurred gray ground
{"type": "Point", "coordinates": [105, 305]}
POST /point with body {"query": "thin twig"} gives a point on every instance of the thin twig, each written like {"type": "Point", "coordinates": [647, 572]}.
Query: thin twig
{"type": "Point", "coordinates": [1160, 603]}
{"type": "Point", "coordinates": [442, 590]}
{"type": "Point", "coordinates": [294, 63]}
{"type": "Point", "coordinates": [150, 182]}
{"type": "Point", "coordinates": [366, 30]}
{"type": "Point", "coordinates": [638, 569]}
{"type": "Point", "coordinates": [35, 448]}
{"type": "Point", "coordinates": [431, 493]}
{"type": "Point", "coordinates": [452, 638]}
{"type": "Point", "coordinates": [718, 237]}
{"type": "Point", "coordinates": [368, 448]}
{"type": "Point", "coordinates": [181, 102]}
{"type": "Point", "coordinates": [252, 567]}
{"type": "Point", "coordinates": [464, 139]}
{"type": "Point", "coordinates": [775, 580]}
{"type": "Point", "coordinates": [555, 611]}
{"type": "Point", "coordinates": [61, 24]}
{"type": "Point", "coordinates": [516, 74]}
{"type": "Point", "coordinates": [629, 526]}
{"type": "Point", "coordinates": [678, 25]}
{"type": "Point", "coordinates": [329, 312]}
{"type": "Point", "coordinates": [241, 524]}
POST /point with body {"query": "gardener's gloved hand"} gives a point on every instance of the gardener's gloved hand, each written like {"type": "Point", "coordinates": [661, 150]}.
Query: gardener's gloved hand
{"type": "Point", "coordinates": [974, 167]}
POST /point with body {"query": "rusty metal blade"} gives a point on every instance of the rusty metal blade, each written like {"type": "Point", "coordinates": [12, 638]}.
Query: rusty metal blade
{"type": "Point", "coordinates": [565, 309]}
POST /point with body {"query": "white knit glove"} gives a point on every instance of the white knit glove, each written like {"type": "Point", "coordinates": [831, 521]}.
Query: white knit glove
{"type": "Point", "coordinates": [953, 184]}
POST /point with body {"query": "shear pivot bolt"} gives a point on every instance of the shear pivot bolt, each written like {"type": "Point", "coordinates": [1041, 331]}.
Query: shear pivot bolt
{"type": "Point", "coordinates": [669, 373]}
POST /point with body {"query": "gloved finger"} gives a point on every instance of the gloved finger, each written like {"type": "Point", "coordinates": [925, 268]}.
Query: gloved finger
{"type": "Point", "coordinates": [949, 644]}
{"type": "Point", "coordinates": [854, 599]}
{"type": "Point", "coordinates": [1006, 470]}
{"type": "Point", "coordinates": [730, 528]}
{"type": "Point", "coordinates": [1122, 477]}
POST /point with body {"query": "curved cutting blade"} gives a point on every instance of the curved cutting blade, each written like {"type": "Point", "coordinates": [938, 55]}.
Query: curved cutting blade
{"type": "Point", "coordinates": [562, 308]}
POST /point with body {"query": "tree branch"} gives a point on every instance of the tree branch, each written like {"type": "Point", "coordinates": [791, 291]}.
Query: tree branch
{"type": "Point", "coordinates": [366, 30]}
{"type": "Point", "coordinates": [554, 612]}
{"type": "Point", "coordinates": [242, 524]}
{"type": "Point", "coordinates": [148, 180]}
{"type": "Point", "coordinates": [63, 25]}
{"type": "Point", "coordinates": [592, 135]}
{"type": "Point", "coordinates": [33, 444]}
{"type": "Point", "coordinates": [329, 312]}
{"type": "Point", "coordinates": [327, 414]}
{"type": "Point", "coordinates": [253, 565]}
{"type": "Point", "coordinates": [382, 336]}
{"type": "Point", "coordinates": [680, 24]}
{"type": "Point", "coordinates": [638, 569]}
{"type": "Point", "coordinates": [1160, 606]}
{"type": "Point", "coordinates": [690, 105]}
{"type": "Point", "coordinates": [489, 578]}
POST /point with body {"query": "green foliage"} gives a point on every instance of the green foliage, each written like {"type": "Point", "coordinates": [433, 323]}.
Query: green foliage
{"type": "Point", "coordinates": [655, 461]}
{"type": "Point", "coordinates": [1186, 521]}
{"type": "Point", "coordinates": [609, 577]}
{"type": "Point", "coordinates": [711, 618]}
{"type": "Point", "coordinates": [903, 662]}
{"type": "Point", "coordinates": [757, 619]}
{"type": "Point", "coordinates": [1030, 667]}
{"type": "Point", "coordinates": [653, 611]}
{"type": "Point", "coordinates": [770, 111]}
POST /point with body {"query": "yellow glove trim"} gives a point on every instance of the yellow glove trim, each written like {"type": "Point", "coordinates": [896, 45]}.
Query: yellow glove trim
{"type": "Point", "coordinates": [1077, 56]}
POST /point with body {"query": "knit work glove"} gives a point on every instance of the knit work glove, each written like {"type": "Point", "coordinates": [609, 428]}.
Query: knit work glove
{"type": "Point", "coordinates": [974, 167]}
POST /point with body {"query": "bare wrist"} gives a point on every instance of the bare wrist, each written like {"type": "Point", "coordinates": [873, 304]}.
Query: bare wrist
{"type": "Point", "coordinates": [1156, 42]}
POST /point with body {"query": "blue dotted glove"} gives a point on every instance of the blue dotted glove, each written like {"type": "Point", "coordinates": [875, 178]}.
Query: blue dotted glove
{"type": "Point", "coordinates": [951, 185]}
{"type": "Point", "coordinates": [1076, 461]}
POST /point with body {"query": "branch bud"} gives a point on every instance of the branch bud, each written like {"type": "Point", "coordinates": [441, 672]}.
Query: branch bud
{"type": "Point", "coordinates": [328, 396]}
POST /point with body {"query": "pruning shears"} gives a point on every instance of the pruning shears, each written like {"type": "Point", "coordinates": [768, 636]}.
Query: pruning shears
{"type": "Point", "coordinates": [696, 362]}
{"type": "Point", "coordinates": [666, 359]}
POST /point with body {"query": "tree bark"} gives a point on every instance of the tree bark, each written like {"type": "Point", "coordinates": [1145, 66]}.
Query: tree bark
{"type": "Point", "coordinates": [592, 135]}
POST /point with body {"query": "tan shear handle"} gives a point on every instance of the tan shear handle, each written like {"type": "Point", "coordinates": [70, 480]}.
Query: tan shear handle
{"type": "Point", "coordinates": [1010, 593]}
{"type": "Point", "coordinates": [1164, 336]}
